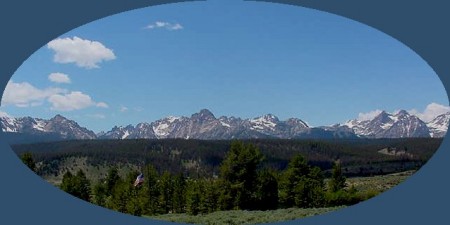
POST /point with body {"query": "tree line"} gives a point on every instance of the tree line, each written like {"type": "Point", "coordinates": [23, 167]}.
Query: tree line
{"type": "Point", "coordinates": [242, 184]}
{"type": "Point", "coordinates": [358, 157]}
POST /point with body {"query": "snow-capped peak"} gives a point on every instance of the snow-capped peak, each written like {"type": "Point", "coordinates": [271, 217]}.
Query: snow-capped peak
{"type": "Point", "coordinates": [351, 123]}
{"type": "Point", "coordinates": [172, 119]}
{"type": "Point", "coordinates": [262, 122]}
{"type": "Point", "coordinates": [439, 125]}
{"type": "Point", "coordinates": [58, 125]}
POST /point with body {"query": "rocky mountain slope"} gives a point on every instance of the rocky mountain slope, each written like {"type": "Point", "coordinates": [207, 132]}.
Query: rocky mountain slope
{"type": "Point", "coordinates": [204, 125]}
{"type": "Point", "coordinates": [385, 125]}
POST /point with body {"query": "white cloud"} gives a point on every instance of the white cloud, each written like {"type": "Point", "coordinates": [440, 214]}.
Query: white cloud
{"type": "Point", "coordinates": [59, 78]}
{"type": "Point", "coordinates": [82, 52]}
{"type": "Point", "coordinates": [75, 100]}
{"type": "Point", "coordinates": [123, 109]}
{"type": "Point", "coordinates": [431, 111]}
{"type": "Point", "coordinates": [369, 115]}
{"type": "Point", "coordinates": [164, 25]}
{"type": "Point", "coordinates": [175, 27]}
{"type": "Point", "coordinates": [102, 105]}
{"type": "Point", "coordinates": [25, 95]}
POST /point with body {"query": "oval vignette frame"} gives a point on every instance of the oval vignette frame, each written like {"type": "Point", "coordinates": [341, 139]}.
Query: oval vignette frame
{"type": "Point", "coordinates": [433, 158]}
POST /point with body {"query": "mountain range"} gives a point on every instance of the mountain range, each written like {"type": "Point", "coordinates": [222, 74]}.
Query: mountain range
{"type": "Point", "coordinates": [204, 125]}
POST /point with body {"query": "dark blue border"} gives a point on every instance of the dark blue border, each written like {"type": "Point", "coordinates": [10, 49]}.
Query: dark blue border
{"type": "Point", "coordinates": [28, 25]}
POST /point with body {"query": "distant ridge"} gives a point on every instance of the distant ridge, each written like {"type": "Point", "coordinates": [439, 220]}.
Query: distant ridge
{"type": "Point", "coordinates": [204, 125]}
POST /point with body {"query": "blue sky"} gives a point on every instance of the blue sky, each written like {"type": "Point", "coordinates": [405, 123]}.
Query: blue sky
{"type": "Point", "coordinates": [235, 58]}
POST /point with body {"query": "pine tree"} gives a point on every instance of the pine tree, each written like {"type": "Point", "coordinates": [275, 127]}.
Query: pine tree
{"type": "Point", "coordinates": [82, 186]}
{"type": "Point", "coordinates": [78, 185]}
{"type": "Point", "coordinates": [27, 159]}
{"type": "Point", "coordinates": [239, 174]}
{"type": "Point", "coordinates": [151, 191]}
{"type": "Point", "coordinates": [111, 179]}
{"type": "Point", "coordinates": [100, 194]}
{"type": "Point", "coordinates": [67, 183]}
{"type": "Point", "coordinates": [267, 193]}
{"type": "Point", "coordinates": [166, 192]}
{"type": "Point", "coordinates": [179, 193]}
{"type": "Point", "coordinates": [211, 195]}
{"type": "Point", "coordinates": [337, 181]}
{"type": "Point", "coordinates": [193, 197]}
{"type": "Point", "coordinates": [301, 185]}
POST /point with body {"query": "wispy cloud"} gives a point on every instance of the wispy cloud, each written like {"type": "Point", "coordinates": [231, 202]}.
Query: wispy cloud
{"type": "Point", "coordinates": [97, 116]}
{"type": "Point", "coordinates": [123, 109]}
{"type": "Point", "coordinates": [59, 78]}
{"type": "Point", "coordinates": [164, 25]}
{"type": "Point", "coordinates": [102, 105]}
{"type": "Point", "coordinates": [84, 53]}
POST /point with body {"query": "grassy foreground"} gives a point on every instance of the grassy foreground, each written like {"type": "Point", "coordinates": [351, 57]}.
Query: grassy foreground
{"type": "Point", "coordinates": [380, 183]}
{"type": "Point", "coordinates": [238, 217]}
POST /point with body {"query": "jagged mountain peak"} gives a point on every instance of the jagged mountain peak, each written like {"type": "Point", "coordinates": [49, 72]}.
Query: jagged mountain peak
{"type": "Point", "coordinates": [439, 125]}
{"type": "Point", "coordinates": [204, 114]}
{"type": "Point", "coordinates": [143, 124]}
{"type": "Point", "coordinates": [296, 121]}
{"type": "Point", "coordinates": [59, 117]}
{"type": "Point", "coordinates": [386, 125]}
{"type": "Point", "coordinates": [58, 127]}
{"type": "Point", "coordinates": [383, 116]}
{"type": "Point", "coordinates": [267, 121]}
{"type": "Point", "coordinates": [270, 117]}
{"type": "Point", "coordinates": [402, 113]}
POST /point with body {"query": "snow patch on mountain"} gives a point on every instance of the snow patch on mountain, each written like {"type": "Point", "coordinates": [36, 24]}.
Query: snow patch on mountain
{"type": "Point", "coordinates": [268, 121]}
{"type": "Point", "coordinates": [126, 134]}
{"type": "Point", "coordinates": [161, 130]}
{"type": "Point", "coordinates": [439, 125]}
{"type": "Point", "coordinates": [225, 124]}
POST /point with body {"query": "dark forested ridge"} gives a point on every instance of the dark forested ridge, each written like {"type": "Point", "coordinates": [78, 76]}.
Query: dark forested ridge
{"type": "Point", "coordinates": [202, 158]}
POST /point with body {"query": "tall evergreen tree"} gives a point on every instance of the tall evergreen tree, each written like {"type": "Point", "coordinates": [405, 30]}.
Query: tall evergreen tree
{"type": "Point", "coordinates": [239, 174]}
{"type": "Point", "coordinates": [193, 197]}
{"type": "Point", "coordinates": [337, 181]}
{"type": "Point", "coordinates": [100, 194]}
{"type": "Point", "coordinates": [151, 191]}
{"type": "Point", "coordinates": [211, 195]}
{"type": "Point", "coordinates": [78, 185]}
{"type": "Point", "coordinates": [111, 179]}
{"type": "Point", "coordinates": [67, 183]}
{"type": "Point", "coordinates": [166, 192]}
{"type": "Point", "coordinates": [82, 186]}
{"type": "Point", "coordinates": [179, 193]}
{"type": "Point", "coordinates": [122, 192]}
{"type": "Point", "coordinates": [267, 192]}
{"type": "Point", "coordinates": [301, 185]}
